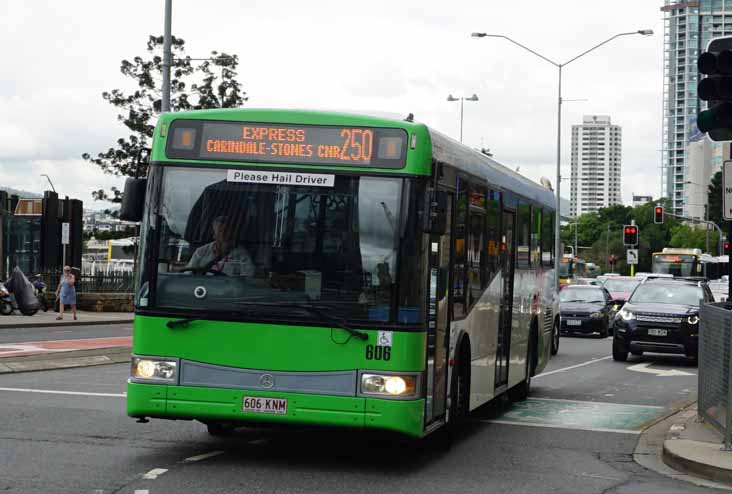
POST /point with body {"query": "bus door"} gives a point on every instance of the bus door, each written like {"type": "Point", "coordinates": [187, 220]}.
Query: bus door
{"type": "Point", "coordinates": [438, 322]}
{"type": "Point", "coordinates": [503, 353]}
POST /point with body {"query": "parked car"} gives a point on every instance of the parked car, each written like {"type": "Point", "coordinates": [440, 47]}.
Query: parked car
{"type": "Point", "coordinates": [585, 309]}
{"type": "Point", "coordinates": [661, 316]}
{"type": "Point", "coordinates": [586, 281]}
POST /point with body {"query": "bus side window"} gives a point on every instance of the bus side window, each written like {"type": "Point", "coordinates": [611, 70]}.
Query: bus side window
{"type": "Point", "coordinates": [459, 275]}
{"type": "Point", "coordinates": [493, 236]}
{"type": "Point", "coordinates": [476, 243]}
{"type": "Point", "coordinates": [547, 238]}
{"type": "Point", "coordinates": [523, 232]}
{"type": "Point", "coordinates": [536, 237]}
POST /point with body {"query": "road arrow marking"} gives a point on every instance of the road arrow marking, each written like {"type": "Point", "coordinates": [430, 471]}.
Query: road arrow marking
{"type": "Point", "coordinates": [645, 368]}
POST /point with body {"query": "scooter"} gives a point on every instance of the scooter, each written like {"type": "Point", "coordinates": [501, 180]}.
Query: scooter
{"type": "Point", "coordinates": [6, 301]}
{"type": "Point", "coordinates": [39, 287]}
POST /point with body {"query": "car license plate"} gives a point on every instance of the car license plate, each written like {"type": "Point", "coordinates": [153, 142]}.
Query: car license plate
{"type": "Point", "coordinates": [571, 322]}
{"type": "Point", "coordinates": [657, 332]}
{"type": "Point", "coordinates": [256, 404]}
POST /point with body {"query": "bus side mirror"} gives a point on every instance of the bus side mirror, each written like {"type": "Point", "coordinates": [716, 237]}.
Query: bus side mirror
{"type": "Point", "coordinates": [435, 208]}
{"type": "Point", "coordinates": [133, 200]}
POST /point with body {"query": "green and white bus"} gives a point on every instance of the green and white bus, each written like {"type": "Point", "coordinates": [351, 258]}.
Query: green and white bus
{"type": "Point", "coordinates": [333, 269]}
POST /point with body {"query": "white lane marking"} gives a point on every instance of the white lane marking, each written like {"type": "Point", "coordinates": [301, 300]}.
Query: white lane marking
{"type": "Point", "coordinates": [58, 392]}
{"type": "Point", "coordinates": [154, 473]}
{"type": "Point", "coordinates": [204, 456]}
{"type": "Point", "coordinates": [645, 368]}
{"type": "Point", "coordinates": [558, 426]}
{"type": "Point", "coordinates": [563, 369]}
{"type": "Point", "coordinates": [142, 491]}
{"type": "Point", "coordinates": [596, 402]}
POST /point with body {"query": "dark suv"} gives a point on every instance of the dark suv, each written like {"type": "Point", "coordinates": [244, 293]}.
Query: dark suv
{"type": "Point", "coordinates": [662, 316]}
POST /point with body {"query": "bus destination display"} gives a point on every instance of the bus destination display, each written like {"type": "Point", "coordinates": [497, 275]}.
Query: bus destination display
{"type": "Point", "coordinates": [286, 143]}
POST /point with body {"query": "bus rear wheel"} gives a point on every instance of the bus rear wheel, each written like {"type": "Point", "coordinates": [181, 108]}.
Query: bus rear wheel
{"type": "Point", "coordinates": [220, 429]}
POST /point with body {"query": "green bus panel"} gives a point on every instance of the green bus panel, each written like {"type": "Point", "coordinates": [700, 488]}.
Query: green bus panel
{"type": "Point", "coordinates": [274, 347]}
{"type": "Point", "coordinates": [186, 402]}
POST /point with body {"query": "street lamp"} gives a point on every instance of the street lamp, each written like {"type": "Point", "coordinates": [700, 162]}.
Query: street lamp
{"type": "Point", "coordinates": [450, 97]}
{"type": "Point", "coordinates": [559, 66]}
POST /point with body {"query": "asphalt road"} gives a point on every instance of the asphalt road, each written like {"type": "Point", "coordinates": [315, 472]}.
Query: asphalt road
{"type": "Point", "coordinates": [17, 335]}
{"type": "Point", "coordinates": [84, 443]}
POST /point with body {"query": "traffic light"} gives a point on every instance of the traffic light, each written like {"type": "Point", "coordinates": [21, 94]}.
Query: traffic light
{"type": "Point", "coordinates": [726, 247]}
{"type": "Point", "coordinates": [716, 89]}
{"type": "Point", "coordinates": [658, 215]}
{"type": "Point", "coordinates": [630, 235]}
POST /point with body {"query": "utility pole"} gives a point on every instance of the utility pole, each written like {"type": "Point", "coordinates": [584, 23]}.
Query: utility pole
{"type": "Point", "coordinates": [167, 57]}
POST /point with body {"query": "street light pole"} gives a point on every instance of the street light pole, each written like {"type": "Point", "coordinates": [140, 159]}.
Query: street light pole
{"type": "Point", "coordinates": [450, 97]}
{"type": "Point", "coordinates": [557, 222]}
{"type": "Point", "coordinates": [167, 57]}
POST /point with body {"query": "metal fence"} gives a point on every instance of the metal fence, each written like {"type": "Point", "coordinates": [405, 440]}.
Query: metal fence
{"type": "Point", "coordinates": [715, 365]}
{"type": "Point", "coordinates": [97, 281]}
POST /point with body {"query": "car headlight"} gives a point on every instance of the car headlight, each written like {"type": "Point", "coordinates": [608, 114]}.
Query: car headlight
{"type": "Point", "coordinates": [626, 315]}
{"type": "Point", "coordinates": [596, 315]}
{"type": "Point", "coordinates": [693, 319]}
{"type": "Point", "coordinates": [154, 369]}
{"type": "Point", "coordinates": [397, 386]}
{"type": "Point", "coordinates": [617, 306]}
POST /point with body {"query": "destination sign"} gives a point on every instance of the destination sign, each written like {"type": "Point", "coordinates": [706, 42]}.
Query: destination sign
{"type": "Point", "coordinates": [287, 143]}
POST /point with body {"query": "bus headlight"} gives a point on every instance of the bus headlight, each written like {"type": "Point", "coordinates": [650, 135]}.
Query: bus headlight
{"type": "Point", "coordinates": [400, 386]}
{"type": "Point", "coordinates": [693, 320]}
{"type": "Point", "coordinates": [154, 369]}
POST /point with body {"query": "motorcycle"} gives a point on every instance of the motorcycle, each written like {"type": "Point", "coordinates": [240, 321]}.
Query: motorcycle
{"type": "Point", "coordinates": [6, 301]}
{"type": "Point", "coordinates": [22, 290]}
{"type": "Point", "coordinates": [39, 287]}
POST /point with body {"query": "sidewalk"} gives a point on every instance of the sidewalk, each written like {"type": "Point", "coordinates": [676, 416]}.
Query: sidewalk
{"type": "Point", "coordinates": [696, 448]}
{"type": "Point", "coordinates": [44, 319]}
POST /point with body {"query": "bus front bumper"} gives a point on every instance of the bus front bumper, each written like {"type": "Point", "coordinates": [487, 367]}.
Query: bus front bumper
{"type": "Point", "coordinates": [220, 404]}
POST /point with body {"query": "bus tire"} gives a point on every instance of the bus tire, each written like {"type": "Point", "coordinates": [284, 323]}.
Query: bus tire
{"type": "Point", "coordinates": [460, 388]}
{"type": "Point", "coordinates": [555, 337]}
{"type": "Point", "coordinates": [219, 429]}
{"type": "Point", "coordinates": [522, 390]}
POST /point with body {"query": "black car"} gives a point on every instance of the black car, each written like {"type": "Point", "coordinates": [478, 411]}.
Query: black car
{"type": "Point", "coordinates": [585, 309]}
{"type": "Point", "coordinates": [662, 316]}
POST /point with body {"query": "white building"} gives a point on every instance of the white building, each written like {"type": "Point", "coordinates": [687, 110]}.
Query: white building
{"type": "Point", "coordinates": [705, 158]}
{"type": "Point", "coordinates": [596, 151]}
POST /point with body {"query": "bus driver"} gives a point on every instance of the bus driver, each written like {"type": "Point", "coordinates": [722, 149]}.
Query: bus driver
{"type": "Point", "coordinates": [221, 255]}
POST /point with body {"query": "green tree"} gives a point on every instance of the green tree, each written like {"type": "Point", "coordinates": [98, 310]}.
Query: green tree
{"type": "Point", "coordinates": [714, 200]}
{"type": "Point", "coordinates": [208, 84]}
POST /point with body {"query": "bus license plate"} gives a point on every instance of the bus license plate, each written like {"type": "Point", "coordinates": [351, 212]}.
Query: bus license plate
{"type": "Point", "coordinates": [256, 404]}
{"type": "Point", "coordinates": [572, 322]}
{"type": "Point", "coordinates": [657, 332]}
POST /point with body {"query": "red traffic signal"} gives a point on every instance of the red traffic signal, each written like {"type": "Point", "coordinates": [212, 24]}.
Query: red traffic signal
{"type": "Point", "coordinates": [658, 215]}
{"type": "Point", "coordinates": [726, 247]}
{"type": "Point", "coordinates": [630, 235]}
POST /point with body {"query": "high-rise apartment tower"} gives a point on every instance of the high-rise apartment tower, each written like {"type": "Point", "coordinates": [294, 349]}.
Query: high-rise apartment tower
{"type": "Point", "coordinates": [596, 151]}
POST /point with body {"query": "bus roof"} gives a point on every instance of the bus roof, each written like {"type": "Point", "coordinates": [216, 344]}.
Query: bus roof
{"type": "Point", "coordinates": [676, 250]}
{"type": "Point", "coordinates": [443, 148]}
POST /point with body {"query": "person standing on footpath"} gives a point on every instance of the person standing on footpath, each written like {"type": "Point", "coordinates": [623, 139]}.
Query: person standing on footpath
{"type": "Point", "coordinates": [66, 291]}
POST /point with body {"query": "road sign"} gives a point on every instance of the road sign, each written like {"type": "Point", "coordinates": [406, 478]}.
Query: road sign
{"type": "Point", "coordinates": [65, 233]}
{"type": "Point", "coordinates": [727, 189]}
{"type": "Point", "coordinates": [631, 255]}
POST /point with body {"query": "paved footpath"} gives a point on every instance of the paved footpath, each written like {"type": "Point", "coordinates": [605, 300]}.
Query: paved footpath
{"type": "Point", "coordinates": [28, 348]}
{"type": "Point", "coordinates": [44, 319]}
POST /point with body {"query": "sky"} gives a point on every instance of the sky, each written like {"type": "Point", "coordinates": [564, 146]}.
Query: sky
{"type": "Point", "coordinates": [400, 57]}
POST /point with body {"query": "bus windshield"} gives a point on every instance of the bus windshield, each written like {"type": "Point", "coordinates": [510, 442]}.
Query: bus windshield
{"type": "Point", "coordinates": [565, 269]}
{"type": "Point", "coordinates": [675, 264]}
{"type": "Point", "coordinates": [224, 246]}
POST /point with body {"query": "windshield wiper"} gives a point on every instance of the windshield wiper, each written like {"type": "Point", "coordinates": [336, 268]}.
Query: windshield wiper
{"type": "Point", "coordinates": [181, 322]}
{"type": "Point", "coordinates": [318, 311]}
